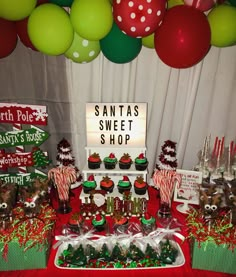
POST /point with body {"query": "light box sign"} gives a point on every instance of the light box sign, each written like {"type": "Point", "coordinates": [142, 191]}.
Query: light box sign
{"type": "Point", "coordinates": [116, 124]}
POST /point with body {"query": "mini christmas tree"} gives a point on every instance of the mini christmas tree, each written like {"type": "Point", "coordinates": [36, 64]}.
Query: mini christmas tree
{"type": "Point", "coordinates": [65, 157]}
{"type": "Point", "coordinates": [104, 253]}
{"type": "Point", "coordinates": [39, 158]}
{"type": "Point", "coordinates": [167, 158]}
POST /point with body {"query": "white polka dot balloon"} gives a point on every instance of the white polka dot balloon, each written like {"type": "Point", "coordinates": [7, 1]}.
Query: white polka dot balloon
{"type": "Point", "coordinates": [83, 50]}
{"type": "Point", "coordinates": [138, 18]}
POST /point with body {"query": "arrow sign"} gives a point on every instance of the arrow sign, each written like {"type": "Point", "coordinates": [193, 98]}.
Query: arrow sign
{"type": "Point", "coordinates": [33, 136]}
{"type": "Point", "coordinates": [23, 114]}
{"type": "Point", "coordinates": [22, 179]}
{"type": "Point", "coordinates": [15, 160]}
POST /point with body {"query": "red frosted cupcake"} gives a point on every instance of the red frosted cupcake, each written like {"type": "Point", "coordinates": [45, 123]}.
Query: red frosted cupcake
{"type": "Point", "coordinates": [107, 184]}
{"type": "Point", "coordinates": [94, 161]}
{"type": "Point", "coordinates": [140, 186]}
{"type": "Point", "coordinates": [125, 161]}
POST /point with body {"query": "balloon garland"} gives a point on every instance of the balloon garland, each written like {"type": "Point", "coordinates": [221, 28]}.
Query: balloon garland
{"type": "Point", "coordinates": [181, 32]}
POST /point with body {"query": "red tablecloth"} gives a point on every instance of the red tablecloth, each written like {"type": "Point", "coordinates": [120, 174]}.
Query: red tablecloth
{"type": "Point", "coordinates": [184, 270]}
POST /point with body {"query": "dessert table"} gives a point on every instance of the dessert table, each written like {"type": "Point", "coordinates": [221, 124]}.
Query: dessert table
{"type": "Point", "coordinates": [184, 270]}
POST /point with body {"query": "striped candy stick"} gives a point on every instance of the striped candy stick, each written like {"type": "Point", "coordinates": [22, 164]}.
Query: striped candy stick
{"type": "Point", "coordinates": [20, 148]}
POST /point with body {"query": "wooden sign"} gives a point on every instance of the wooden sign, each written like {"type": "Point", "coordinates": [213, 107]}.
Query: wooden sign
{"type": "Point", "coordinates": [22, 179]}
{"type": "Point", "coordinates": [23, 114]}
{"type": "Point", "coordinates": [32, 136]}
{"type": "Point", "coordinates": [116, 124]}
{"type": "Point", "coordinates": [15, 160]}
{"type": "Point", "coordinates": [188, 191]}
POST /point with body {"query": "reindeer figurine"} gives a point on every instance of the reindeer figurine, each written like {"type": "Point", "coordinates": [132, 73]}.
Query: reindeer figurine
{"type": "Point", "coordinates": [8, 193]}
{"type": "Point", "coordinates": [230, 199]}
{"type": "Point", "coordinates": [44, 188]}
{"type": "Point", "coordinates": [210, 203]}
{"type": "Point", "coordinates": [31, 201]}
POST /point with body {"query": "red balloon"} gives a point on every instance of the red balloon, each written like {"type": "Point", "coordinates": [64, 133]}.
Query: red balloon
{"type": "Point", "coordinates": [138, 18]}
{"type": "Point", "coordinates": [183, 39]}
{"type": "Point", "coordinates": [8, 37]}
{"type": "Point", "coordinates": [21, 27]}
{"type": "Point", "coordinates": [39, 2]}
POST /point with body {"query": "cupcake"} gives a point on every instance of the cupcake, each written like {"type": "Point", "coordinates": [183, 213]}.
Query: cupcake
{"type": "Point", "coordinates": [89, 185]}
{"type": "Point", "coordinates": [141, 162]}
{"type": "Point", "coordinates": [140, 186]}
{"type": "Point", "coordinates": [107, 184]}
{"type": "Point", "coordinates": [75, 222]}
{"type": "Point", "coordinates": [125, 161]}
{"type": "Point", "coordinates": [94, 161]}
{"type": "Point", "coordinates": [148, 223]}
{"type": "Point", "coordinates": [124, 185]}
{"type": "Point", "coordinates": [99, 222]}
{"type": "Point", "coordinates": [121, 224]}
{"type": "Point", "coordinates": [110, 161]}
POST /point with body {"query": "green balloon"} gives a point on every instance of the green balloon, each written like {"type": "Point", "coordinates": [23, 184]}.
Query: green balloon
{"type": "Point", "coordinates": [83, 50]}
{"type": "Point", "coordinates": [222, 20]}
{"type": "Point", "coordinates": [148, 41]}
{"type": "Point", "coordinates": [15, 10]}
{"type": "Point", "coordinates": [120, 48]}
{"type": "Point", "coordinates": [91, 19]}
{"type": "Point", "coordinates": [62, 3]}
{"type": "Point", "coordinates": [50, 29]}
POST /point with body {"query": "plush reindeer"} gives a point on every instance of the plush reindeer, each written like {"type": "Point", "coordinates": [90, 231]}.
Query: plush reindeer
{"type": "Point", "coordinates": [230, 199]}
{"type": "Point", "coordinates": [31, 200]}
{"type": "Point", "coordinates": [8, 193]}
{"type": "Point", "coordinates": [210, 202]}
{"type": "Point", "coordinates": [44, 187]}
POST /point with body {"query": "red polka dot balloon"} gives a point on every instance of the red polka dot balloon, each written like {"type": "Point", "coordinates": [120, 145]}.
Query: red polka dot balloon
{"type": "Point", "coordinates": [138, 18]}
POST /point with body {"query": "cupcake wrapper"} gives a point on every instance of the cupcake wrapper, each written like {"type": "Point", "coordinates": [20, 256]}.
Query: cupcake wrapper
{"type": "Point", "coordinates": [124, 166]}
{"type": "Point", "coordinates": [93, 165]}
{"type": "Point", "coordinates": [141, 167]}
{"type": "Point", "coordinates": [122, 190]}
{"type": "Point", "coordinates": [109, 165]}
{"type": "Point", "coordinates": [87, 190]}
{"type": "Point", "coordinates": [140, 191]}
{"type": "Point", "coordinates": [110, 190]}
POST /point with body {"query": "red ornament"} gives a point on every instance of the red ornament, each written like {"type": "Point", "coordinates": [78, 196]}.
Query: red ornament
{"type": "Point", "coordinates": [138, 18]}
{"type": "Point", "coordinates": [183, 39]}
{"type": "Point", "coordinates": [8, 37]}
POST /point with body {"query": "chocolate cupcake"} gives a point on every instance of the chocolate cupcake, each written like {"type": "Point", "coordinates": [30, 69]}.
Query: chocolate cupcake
{"type": "Point", "coordinates": [110, 161]}
{"type": "Point", "coordinates": [99, 222]}
{"type": "Point", "coordinates": [89, 185]}
{"type": "Point", "coordinates": [94, 161]}
{"type": "Point", "coordinates": [140, 186]}
{"type": "Point", "coordinates": [141, 162]}
{"type": "Point", "coordinates": [125, 161]}
{"type": "Point", "coordinates": [124, 185]}
{"type": "Point", "coordinates": [107, 184]}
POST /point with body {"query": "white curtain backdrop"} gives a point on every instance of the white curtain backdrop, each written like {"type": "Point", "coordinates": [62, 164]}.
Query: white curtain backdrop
{"type": "Point", "coordinates": [184, 105]}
